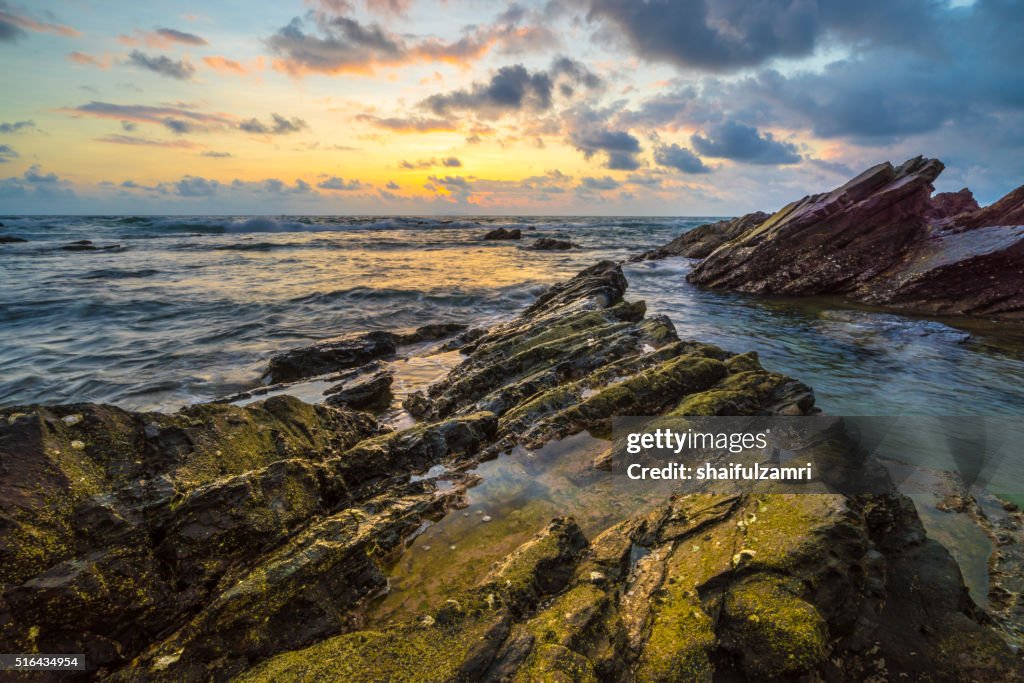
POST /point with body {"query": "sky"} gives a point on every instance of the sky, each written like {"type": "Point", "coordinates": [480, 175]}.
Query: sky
{"type": "Point", "coordinates": [595, 107]}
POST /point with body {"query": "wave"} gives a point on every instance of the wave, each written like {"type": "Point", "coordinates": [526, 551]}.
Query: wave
{"type": "Point", "coordinates": [119, 274]}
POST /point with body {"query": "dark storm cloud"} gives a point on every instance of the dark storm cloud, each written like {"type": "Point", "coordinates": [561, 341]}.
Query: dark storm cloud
{"type": "Point", "coordinates": [279, 125]}
{"type": "Point", "coordinates": [514, 88]}
{"type": "Point", "coordinates": [729, 34]}
{"type": "Point", "coordinates": [679, 158]}
{"type": "Point", "coordinates": [163, 65]}
{"type": "Point", "coordinates": [736, 141]}
{"type": "Point", "coordinates": [620, 147]}
{"type": "Point", "coordinates": [176, 36]}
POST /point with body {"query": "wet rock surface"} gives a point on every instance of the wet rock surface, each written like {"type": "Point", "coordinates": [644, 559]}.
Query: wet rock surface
{"type": "Point", "coordinates": [224, 543]}
{"type": "Point", "coordinates": [504, 234]}
{"type": "Point", "coordinates": [551, 244]}
{"type": "Point", "coordinates": [881, 239]}
{"type": "Point", "coordinates": [11, 239]}
{"type": "Point", "coordinates": [349, 351]}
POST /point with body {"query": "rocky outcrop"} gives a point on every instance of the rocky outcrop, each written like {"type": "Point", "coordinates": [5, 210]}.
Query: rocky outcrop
{"type": "Point", "coordinates": [946, 204]}
{"type": "Point", "coordinates": [704, 239]}
{"type": "Point", "coordinates": [551, 244]}
{"type": "Point", "coordinates": [504, 234]}
{"type": "Point", "coordinates": [226, 543]}
{"type": "Point", "coordinates": [10, 239]}
{"type": "Point", "coordinates": [349, 351]}
{"type": "Point", "coordinates": [882, 239]}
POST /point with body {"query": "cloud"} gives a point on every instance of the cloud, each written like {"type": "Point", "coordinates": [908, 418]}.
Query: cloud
{"type": "Point", "coordinates": [35, 184]}
{"type": "Point", "coordinates": [14, 23]}
{"type": "Point", "coordinates": [729, 35]}
{"type": "Point", "coordinates": [191, 186]}
{"type": "Point", "coordinates": [679, 158]}
{"type": "Point", "coordinates": [329, 41]}
{"type": "Point", "coordinates": [738, 142]}
{"type": "Point", "coordinates": [392, 185]}
{"type": "Point", "coordinates": [411, 124]}
{"type": "Point", "coordinates": [7, 153]}
{"type": "Point", "coordinates": [336, 183]}
{"type": "Point", "coordinates": [389, 7]}
{"type": "Point", "coordinates": [162, 64]}
{"type": "Point", "coordinates": [7, 128]}
{"type": "Point", "coordinates": [229, 66]}
{"type": "Point", "coordinates": [85, 59]}
{"type": "Point", "coordinates": [514, 88]}
{"type": "Point", "coordinates": [619, 147]}
{"type": "Point", "coordinates": [175, 36]}
{"type": "Point", "coordinates": [278, 126]}
{"type": "Point", "coordinates": [598, 184]}
{"type": "Point", "coordinates": [162, 38]}
{"type": "Point", "coordinates": [175, 118]}
{"type": "Point", "coordinates": [215, 155]}
{"type": "Point", "coordinates": [145, 142]}
{"type": "Point", "coordinates": [449, 162]}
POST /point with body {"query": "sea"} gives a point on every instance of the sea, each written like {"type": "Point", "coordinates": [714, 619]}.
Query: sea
{"type": "Point", "coordinates": [172, 310]}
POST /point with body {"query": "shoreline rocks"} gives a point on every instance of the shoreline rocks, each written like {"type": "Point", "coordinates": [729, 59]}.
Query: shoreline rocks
{"type": "Point", "coordinates": [224, 543]}
{"type": "Point", "coordinates": [880, 239]}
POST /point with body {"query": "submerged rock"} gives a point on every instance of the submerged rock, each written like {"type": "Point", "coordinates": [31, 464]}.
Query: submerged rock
{"type": "Point", "coordinates": [87, 245]}
{"type": "Point", "coordinates": [551, 244]}
{"type": "Point", "coordinates": [504, 234]}
{"type": "Point", "coordinates": [882, 239]}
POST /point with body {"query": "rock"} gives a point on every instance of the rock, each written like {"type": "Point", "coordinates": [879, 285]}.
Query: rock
{"type": "Point", "coordinates": [350, 351]}
{"type": "Point", "coordinates": [947, 204]}
{"type": "Point", "coordinates": [87, 245]}
{"type": "Point", "coordinates": [225, 543]}
{"type": "Point", "coordinates": [882, 239]}
{"type": "Point", "coordinates": [10, 239]}
{"type": "Point", "coordinates": [551, 244]}
{"type": "Point", "coordinates": [504, 234]}
{"type": "Point", "coordinates": [367, 393]}
{"type": "Point", "coordinates": [704, 239]}
{"type": "Point", "coordinates": [330, 356]}
{"type": "Point", "coordinates": [429, 333]}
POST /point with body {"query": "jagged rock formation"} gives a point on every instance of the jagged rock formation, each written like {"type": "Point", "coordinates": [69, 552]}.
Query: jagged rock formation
{"type": "Point", "coordinates": [225, 542]}
{"type": "Point", "coordinates": [704, 239]}
{"type": "Point", "coordinates": [882, 239]}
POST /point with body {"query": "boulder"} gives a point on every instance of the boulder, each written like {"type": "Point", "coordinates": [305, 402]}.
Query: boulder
{"type": "Point", "coordinates": [551, 244]}
{"type": "Point", "coordinates": [504, 234]}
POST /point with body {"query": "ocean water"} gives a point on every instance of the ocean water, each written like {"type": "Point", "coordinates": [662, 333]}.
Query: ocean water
{"type": "Point", "coordinates": [190, 309]}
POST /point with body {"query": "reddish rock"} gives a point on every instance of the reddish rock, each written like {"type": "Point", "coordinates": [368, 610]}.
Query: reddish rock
{"type": "Point", "coordinates": [882, 239]}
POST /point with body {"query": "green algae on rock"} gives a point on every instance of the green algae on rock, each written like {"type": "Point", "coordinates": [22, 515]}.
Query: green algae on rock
{"type": "Point", "coordinates": [225, 543]}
